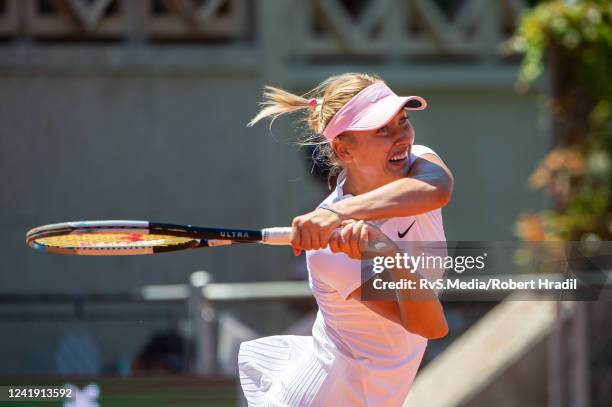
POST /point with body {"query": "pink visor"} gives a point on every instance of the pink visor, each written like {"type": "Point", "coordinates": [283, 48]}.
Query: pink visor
{"type": "Point", "coordinates": [370, 109]}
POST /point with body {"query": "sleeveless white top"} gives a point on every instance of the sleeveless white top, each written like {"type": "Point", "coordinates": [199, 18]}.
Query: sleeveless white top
{"type": "Point", "coordinates": [354, 357]}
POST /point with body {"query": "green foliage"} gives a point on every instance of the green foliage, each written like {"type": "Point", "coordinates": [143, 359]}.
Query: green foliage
{"type": "Point", "coordinates": [584, 29]}
{"type": "Point", "coordinates": [574, 40]}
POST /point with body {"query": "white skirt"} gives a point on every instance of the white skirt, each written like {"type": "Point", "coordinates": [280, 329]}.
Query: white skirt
{"type": "Point", "coordinates": [280, 370]}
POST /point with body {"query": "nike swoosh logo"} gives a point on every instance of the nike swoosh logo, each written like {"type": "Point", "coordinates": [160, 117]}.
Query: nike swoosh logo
{"type": "Point", "coordinates": [401, 235]}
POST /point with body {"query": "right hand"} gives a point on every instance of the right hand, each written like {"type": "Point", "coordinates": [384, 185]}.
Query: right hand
{"type": "Point", "coordinates": [312, 230]}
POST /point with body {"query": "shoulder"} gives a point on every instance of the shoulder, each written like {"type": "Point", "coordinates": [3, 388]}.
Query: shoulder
{"type": "Point", "coordinates": [425, 156]}
{"type": "Point", "coordinates": [419, 150]}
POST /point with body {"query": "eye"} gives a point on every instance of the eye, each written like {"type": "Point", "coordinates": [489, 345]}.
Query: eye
{"type": "Point", "coordinates": [382, 131]}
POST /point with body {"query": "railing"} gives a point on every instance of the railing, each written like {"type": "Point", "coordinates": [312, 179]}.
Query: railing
{"type": "Point", "coordinates": [196, 301]}
{"type": "Point", "coordinates": [437, 44]}
{"type": "Point", "coordinates": [568, 372]}
{"type": "Point", "coordinates": [120, 20]}
{"type": "Point", "coordinates": [310, 29]}
{"type": "Point", "coordinates": [200, 299]}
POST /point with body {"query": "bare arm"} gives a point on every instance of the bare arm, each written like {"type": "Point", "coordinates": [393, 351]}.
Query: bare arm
{"type": "Point", "coordinates": [429, 186]}
{"type": "Point", "coordinates": [417, 310]}
{"type": "Point", "coordinates": [421, 317]}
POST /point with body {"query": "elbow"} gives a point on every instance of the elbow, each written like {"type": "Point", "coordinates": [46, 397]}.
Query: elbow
{"type": "Point", "coordinates": [431, 331]}
{"type": "Point", "coordinates": [445, 191]}
{"type": "Point", "coordinates": [435, 332]}
{"type": "Point", "coordinates": [441, 191]}
{"type": "Point", "coordinates": [442, 195]}
{"type": "Point", "coordinates": [425, 319]}
{"type": "Point", "coordinates": [438, 332]}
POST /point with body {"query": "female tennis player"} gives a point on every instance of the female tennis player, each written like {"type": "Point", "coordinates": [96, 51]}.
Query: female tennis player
{"type": "Point", "coordinates": [361, 353]}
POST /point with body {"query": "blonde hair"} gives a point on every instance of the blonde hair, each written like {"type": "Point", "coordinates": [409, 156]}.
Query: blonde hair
{"type": "Point", "coordinates": [330, 96]}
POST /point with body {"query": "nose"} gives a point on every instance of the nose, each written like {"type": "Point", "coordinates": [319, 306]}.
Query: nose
{"type": "Point", "coordinates": [404, 134]}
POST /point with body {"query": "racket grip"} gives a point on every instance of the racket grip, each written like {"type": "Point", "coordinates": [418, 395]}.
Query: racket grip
{"type": "Point", "coordinates": [279, 236]}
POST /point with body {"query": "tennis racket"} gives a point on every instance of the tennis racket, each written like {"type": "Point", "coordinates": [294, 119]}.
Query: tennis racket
{"type": "Point", "coordinates": [127, 237]}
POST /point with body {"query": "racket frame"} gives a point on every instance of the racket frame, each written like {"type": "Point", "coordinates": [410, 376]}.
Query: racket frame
{"type": "Point", "coordinates": [200, 236]}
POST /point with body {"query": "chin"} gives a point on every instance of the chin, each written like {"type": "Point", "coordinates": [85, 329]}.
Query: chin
{"type": "Point", "coordinates": [399, 171]}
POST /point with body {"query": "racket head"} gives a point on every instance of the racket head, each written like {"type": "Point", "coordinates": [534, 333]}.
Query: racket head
{"type": "Point", "coordinates": [110, 238]}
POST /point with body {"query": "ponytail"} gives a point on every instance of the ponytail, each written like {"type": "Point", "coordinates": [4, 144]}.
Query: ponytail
{"type": "Point", "coordinates": [321, 104]}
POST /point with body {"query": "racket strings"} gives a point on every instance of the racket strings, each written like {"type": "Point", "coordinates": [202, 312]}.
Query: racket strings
{"type": "Point", "coordinates": [112, 240]}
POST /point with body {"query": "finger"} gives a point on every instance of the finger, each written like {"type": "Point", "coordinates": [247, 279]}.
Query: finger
{"type": "Point", "coordinates": [363, 239]}
{"type": "Point", "coordinates": [295, 235]}
{"type": "Point", "coordinates": [324, 236]}
{"type": "Point", "coordinates": [306, 243]}
{"type": "Point", "coordinates": [354, 241]}
{"type": "Point", "coordinates": [296, 241]}
{"type": "Point", "coordinates": [315, 242]}
{"type": "Point", "coordinates": [345, 234]}
{"type": "Point", "coordinates": [347, 222]}
{"type": "Point", "coordinates": [334, 245]}
{"type": "Point", "coordinates": [351, 240]}
{"type": "Point", "coordinates": [344, 239]}
{"type": "Point", "coordinates": [366, 233]}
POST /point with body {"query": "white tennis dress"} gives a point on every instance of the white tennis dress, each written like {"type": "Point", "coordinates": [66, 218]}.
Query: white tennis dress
{"type": "Point", "coordinates": [354, 357]}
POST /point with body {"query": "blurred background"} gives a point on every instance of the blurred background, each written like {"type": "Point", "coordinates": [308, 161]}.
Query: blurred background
{"type": "Point", "coordinates": [117, 109]}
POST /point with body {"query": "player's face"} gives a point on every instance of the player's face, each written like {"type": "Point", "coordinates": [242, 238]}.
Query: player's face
{"type": "Point", "coordinates": [381, 155]}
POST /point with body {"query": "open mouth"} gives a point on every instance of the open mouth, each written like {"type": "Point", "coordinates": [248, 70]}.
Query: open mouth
{"type": "Point", "coordinates": [399, 158]}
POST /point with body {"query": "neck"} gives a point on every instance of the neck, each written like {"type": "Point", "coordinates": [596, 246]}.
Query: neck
{"type": "Point", "coordinates": [356, 184]}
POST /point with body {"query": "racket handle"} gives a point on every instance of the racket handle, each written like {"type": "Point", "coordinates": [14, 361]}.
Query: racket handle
{"type": "Point", "coordinates": [279, 236]}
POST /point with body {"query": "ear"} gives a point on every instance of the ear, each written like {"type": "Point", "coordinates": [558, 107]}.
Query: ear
{"type": "Point", "coordinates": [342, 150]}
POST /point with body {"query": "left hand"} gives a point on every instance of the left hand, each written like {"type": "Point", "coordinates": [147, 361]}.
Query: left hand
{"type": "Point", "coordinates": [354, 240]}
